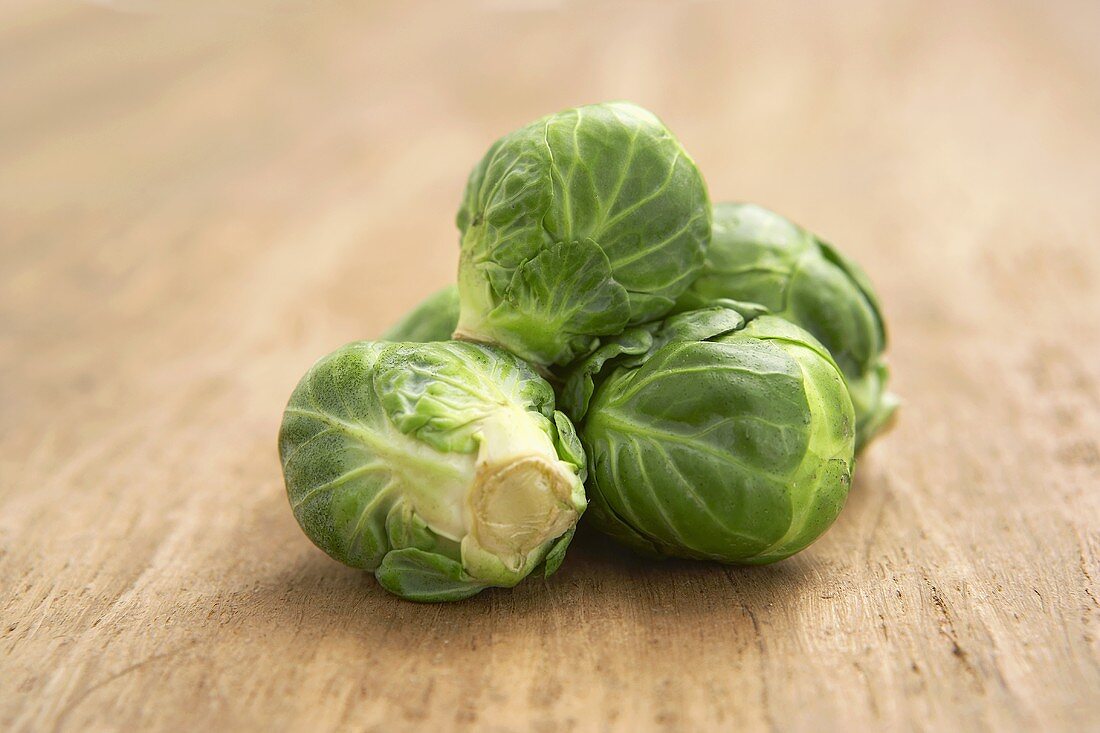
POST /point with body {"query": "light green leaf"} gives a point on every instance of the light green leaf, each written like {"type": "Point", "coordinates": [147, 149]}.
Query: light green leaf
{"type": "Point", "coordinates": [556, 556]}
{"type": "Point", "coordinates": [577, 388]}
{"type": "Point", "coordinates": [558, 301]}
{"type": "Point", "coordinates": [441, 395]}
{"type": "Point", "coordinates": [568, 444]}
{"type": "Point", "coordinates": [416, 575]}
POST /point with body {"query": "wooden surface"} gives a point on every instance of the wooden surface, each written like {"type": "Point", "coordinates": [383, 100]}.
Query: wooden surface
{"type": "Point", "coordinates": [195, 203]}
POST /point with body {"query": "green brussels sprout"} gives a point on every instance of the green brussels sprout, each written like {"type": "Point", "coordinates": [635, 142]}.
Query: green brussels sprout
{"type": "Point", "coordinates": [433, 320]}
{"type": "Point", "coordinates": [442, 467]}
{"type": "Point", "coordinates": [757, 255]}
{"type": "Point", "coordinates": [719, 434]}
{"type": "Point", "coordinates": [576, 226]}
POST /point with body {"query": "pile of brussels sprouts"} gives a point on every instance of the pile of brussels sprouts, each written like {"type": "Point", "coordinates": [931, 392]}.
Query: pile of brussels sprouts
{"type": "Point", "coordinates": [698, 377]}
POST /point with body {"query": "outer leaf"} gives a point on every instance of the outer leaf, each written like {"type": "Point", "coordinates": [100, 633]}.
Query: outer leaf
{"type": "Point", "coordinates": [578, 386]}
{"type": "Point", "coordinates": [569, 445]}
{"type": "Point", "coordinates": [556, 556]}
{"type": "Point", "coordinates": [558, 299]}
{"type": "Point", "coordinates": [699, 325]}
{"type": "Point", "coordinates": [633, 346]}
{"type": "Point", "coordinates": [422, 576]}
{"type": "Point", "coordinates": [852, 269]}
{"type": "Point", "coordinates": [506, 197]}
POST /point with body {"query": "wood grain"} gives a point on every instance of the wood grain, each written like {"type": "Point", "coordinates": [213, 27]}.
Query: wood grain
{"type": "Point", "coordinates": [197, 201]}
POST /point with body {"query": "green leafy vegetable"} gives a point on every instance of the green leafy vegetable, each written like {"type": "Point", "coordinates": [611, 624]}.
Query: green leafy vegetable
{"type": "Point", "coordinates": [722, 367]}
{"type": "Point", "coordinates": [441, 467]}
{"type": "Point", "coordinates": [756, 255]}
{"type": "Point", "coordinates": [575, 227]}
{"type": "Point", "coordinates": [717, 434]}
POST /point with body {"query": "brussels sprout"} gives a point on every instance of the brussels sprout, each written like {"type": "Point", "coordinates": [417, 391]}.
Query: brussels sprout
{"type": "Point", "coordinates": [576, 226]}
{"type": "Point", "coordinates": [719, 434]}
{"type": "Point", "coordinates": [757, 255]}
{"type": "Point", "coordinates": [433, 320]}
{"type": "Point", "coordinates": [443, 467]}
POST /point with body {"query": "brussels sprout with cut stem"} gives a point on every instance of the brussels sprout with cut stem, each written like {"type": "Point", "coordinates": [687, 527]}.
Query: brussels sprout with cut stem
{"type": "Point", "coordinates": [576, 226]}
{"type": "Point", "coordinates": [718, 434]}
{"type": "Point", "coordinates": [442, 467]}
{"type": "Point", "coordinates": [757, 255]}
{"type": "Point", "coordinates": [434, 319]}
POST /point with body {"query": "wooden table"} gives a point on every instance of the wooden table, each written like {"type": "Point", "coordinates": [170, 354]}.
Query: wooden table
{"type": "Point", "coordinates": [197, 202]}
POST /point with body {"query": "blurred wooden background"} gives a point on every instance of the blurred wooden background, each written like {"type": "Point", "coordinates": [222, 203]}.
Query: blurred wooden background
{"type": "Point", "coordinates": [199, 199]}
